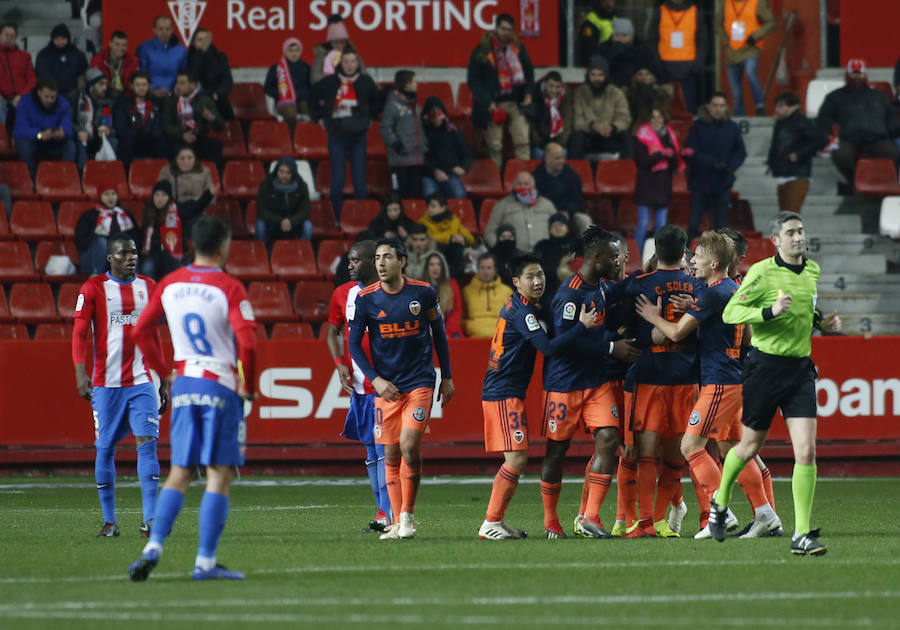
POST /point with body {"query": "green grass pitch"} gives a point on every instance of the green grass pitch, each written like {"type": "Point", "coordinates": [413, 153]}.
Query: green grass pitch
{"type": "Point", "coordinates": [309, 566]}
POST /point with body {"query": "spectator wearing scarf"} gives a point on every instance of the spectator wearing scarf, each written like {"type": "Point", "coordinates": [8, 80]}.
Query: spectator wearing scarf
{"type": "Point", "coordinates": [162, 244]}
{"type": "Point", "coordinates": [93, 117]}
{"type": "Point", "coordinates": [501, 78]}
{"type": "Point", "coordinates": [283, 205]}
{"type": "Point", "coordinates": [96, 226]}
{"type": "Point", "coordinates": [448, 157]}
{"type": "Point", "coordinates": [327, 56]}
{"type": "Point", "coordinates": [554, 114]}
{"type": "Point", "coordinates": [116, 63]}
{"type": "Point", "coordinates": [137, 122]}
{"type": "Point", "coordinates": [404, 136]}
{"type": "Point", "coordinates": [287, 83]}
{"type": "Point", "coordinates": [189, 114]}
{"type": "Point", "coordinates": [523, 209]}
{"type": "Point", "coordinates": [191, 185]}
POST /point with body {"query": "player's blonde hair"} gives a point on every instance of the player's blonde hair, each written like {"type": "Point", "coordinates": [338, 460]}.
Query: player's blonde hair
{"type": "Point", "coordinates": [718, 247]}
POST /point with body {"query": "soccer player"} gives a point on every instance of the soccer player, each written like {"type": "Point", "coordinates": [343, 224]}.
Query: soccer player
{"type": "Point", "coordinates": [577, 392]}
{"type": "Point", "coordinates": [716, 414]}
{"type": "Point", "coordinates": [121, 391]}
{"type": "Point", "coordinates": [212, 325]}
{"type": "Point", "coordinates": [360, 423]}
{"type": "Point", "coordinates": [778, 300]}
{"type": "Point", "coordinates": [521, 332]}
{"type": "Point", "coordinates": [402, 317]}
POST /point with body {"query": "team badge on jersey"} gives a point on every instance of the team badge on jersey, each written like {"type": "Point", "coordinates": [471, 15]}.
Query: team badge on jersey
{"type": "Point", "coordinates": [552, 426]}
{"type": "Point", "coordinates": [694, 419]}
{"type": "Point", "coordinates": [531, 322]}
{"type": "Point", "coordinates": [247, 311]}
{"type": "Point", "coordinates": [615, 411]}
{"type": "Point", "coordinates": [415, 307]}
{"type": "Point", "coordinates": [80, 303]}
{"type": "Point", "coordinates": [518, 436]}
{"type": "Point", "coordinates": [377, 431]}
{"type": "Point", "coordinates": [419, 414]}
{"type": "Point", "coordinates": [569, 311]}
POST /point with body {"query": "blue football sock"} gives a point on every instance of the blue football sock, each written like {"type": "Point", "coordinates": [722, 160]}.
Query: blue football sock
{"type": "Point", "coordinates": [148, 473]}
{"type": "Point", "coordinates": [384, 500]}
{"type": "Point", "coordinates": [105, 474]}
{"type": "Point", "coordinates": [213, 514]}
{"type": "Point", "coordinates": [372, 471]}
{"type": "Point", "coordinates": [168, 504]}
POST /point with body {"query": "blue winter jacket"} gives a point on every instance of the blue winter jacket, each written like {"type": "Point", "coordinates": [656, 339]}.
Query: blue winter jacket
{"type": "Point", "coordinates": [718, 152]}
{"type": "Point", "coordinates": [162, 62]}
{"type": "Point", "coordinates": [31, 118]}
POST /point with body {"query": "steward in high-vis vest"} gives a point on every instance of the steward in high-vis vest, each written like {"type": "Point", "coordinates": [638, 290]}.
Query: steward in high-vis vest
{"type": "Point", "coordinates": [596, 29]}
{"type": "Point", "coordinates": [678, 43]}
{"type": "Point", "coordinates": [741, 25]}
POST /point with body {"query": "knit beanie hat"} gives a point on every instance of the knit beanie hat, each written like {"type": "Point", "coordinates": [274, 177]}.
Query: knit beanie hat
{"type": "Point", "coordinates": [92, 76]}
{"type": "Point", "coordinates": [622, 26]}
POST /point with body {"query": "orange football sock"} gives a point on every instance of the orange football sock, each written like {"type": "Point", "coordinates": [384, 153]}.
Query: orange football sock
{"type": "Point", "coordinates": [752, 483]}
{"type": "Point", "coordinates": [409, 483]}
{"type": "Point", "coordinates": [599, 486]}
{"type": "Point", "coordinates": [646, 487]}
{"type": "Point", "coordinates": [550, 495]}
{"type": "Point", "coordinates": [668, 485]}
{"type": "Point", "coordinates": [395, 493]}
{"type": "Point", "coordinates": [505, 482]}
{"type": "Point", "coordinates": [626, 479]}
{"type": "Point", "coordinates": [585, 489]}
{"type": "Point", "coordinates": [767, 484]}
{"type": "Point", "coordinates": [706, 478]}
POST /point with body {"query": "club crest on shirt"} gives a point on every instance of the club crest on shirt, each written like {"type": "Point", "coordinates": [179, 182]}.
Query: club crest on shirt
{"type": "Point", "coordinates": [518, 436]}
{"type": "Point", "coordinates": [140, 295]}
{"type": "Point", "coordinates": [531, 322]}
{"type": "Point", "coordinates": [377, 431]}
{"type": "Point", "coordinates": [551, 425]}
{"type": "Point", "coordinates": [569, 311]}
{"type": "Point", "coordinates": [80, 303]}
{"type": "Point", "coordinates": [419, 414]}
{"type": "Point", "coordinates": [415, 307]}
{"type": "Point", "coordinates": [614, 410]}
{"type": "Point", "coordinates": [694, 419]}
{"type": "Point", "coordinates": [247, 311]}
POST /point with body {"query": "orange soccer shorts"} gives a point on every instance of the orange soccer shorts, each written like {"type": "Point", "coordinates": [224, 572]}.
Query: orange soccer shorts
{"type": "Point", "coordinates": [505, 425]}
{"type": "Point", "coordinates": [661, 408]}
{"type": "Point", "coordinates": [592, 409]}
{"type": "Point", "coordinates": [411, 411]}
{"type": "Point", "coordinates": [717, 411]}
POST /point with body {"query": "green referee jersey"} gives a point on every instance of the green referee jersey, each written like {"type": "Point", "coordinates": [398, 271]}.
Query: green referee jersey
{"type": "Point", "coordinates": [787, 335]}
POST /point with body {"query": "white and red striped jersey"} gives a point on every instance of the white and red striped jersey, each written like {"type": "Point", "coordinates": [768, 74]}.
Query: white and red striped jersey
{"type": "Point", "coordinates": [340, 314]}
{"type": "Point", "coordinates": [112, 307]}
{"type": "Point", "coordinates": [205, 308]}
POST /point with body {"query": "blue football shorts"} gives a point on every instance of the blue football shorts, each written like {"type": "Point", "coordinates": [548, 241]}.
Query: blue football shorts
{"type": "Point", "coordinates": [119, 411]}
{"type": "Point", "coordinates": [208, 425]}
{"type": "Point", "coordinates": [360, 423]}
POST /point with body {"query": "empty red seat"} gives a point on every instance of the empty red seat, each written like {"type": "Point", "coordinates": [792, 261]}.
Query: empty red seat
{"type": "Point", "coordinates": [215, 182]}
{"type": "Point", "coordinates": [232, 138]}
{"type": "Point", "coordinates": [16, 176]}
{"type": "Point", "coordinates": [5, 234]}
{"type": "Point", "coordinates": [483, 179]}
{"type": "Point", "coordinates": [330, 253]}
{"type": "Point", "coordinates": [46, 249]}
{"type": "Point", "coordinates": [15, 262]}
{"type": "Point", "coordinates": [5, 148]}
{"type": "Point", "coordinates": [310, 142]}
{"type": "Point", "coordinates": [487, 207]}
{"type": "Point", "coordinates": [679, 185]}
{"type": "Point", "coordinates": [294, 260]}
{"type": "Point", "coordinates": [757, 249]}
{"type": "Point", "coordinates": [33, 220]}
{"type": "Point", "coordinates": [292, 330]}
{"type": "Point", "coordinates": [142, 177]}
{"type": "Point", "coordinates": [269, 140]}
{"type": "Point", "coordinates": [271, 302]}
{"type": "Point", "coordinates": [883, 86]}
{"type": "Point", "coordinates": [626, 217]}
{"type": "Point", "coordinates": [514, 167]}
{"type": "Point", "coordinates": [65, 300]}
{"type": "Point", "coordinates": [312, 300]}
{"type": "Point", "coordinates": [242, 179]}
{"type": "Point", "coordinates": [248, 260]}
{"type": "Point", "coordinates": [375, 143]}
{"type": "Point", "coordinates": [230, 211]}
{"type": "Point", "coordinates": [13, 332]}
{"type": "Point", "coordinates": [57, 181]}
{"type": "Point", "coordinates": [53, 331]}
{"type": "Point", "coordinates": [250, 218]}
{"type": "Point", "coordinates": [32, 303]}
{"type": "Point", "coordinates": [876, 177]}
{"type": "Point", "coordinates": [5, 317]}
{"type": "Point", "coordinates": [97, 174]}
{"type": "Point", "coordinates": [740, 216]}
{"type": "Point", "coordinates": [249, 101]}
{"type": "Point", "coordinates": [466, 212]}
{"type": "Point", "coordinates": [378, 179]}
{"type": "Point", "coordinates": [357, 214]}
{"type": "Point", "coordinates": [464, 101]}
{"type": "Point", "coordinates": [415, 208]}
{"type": "Point", "coordinates": [324, 224]}
{"type": "Point", "coordinates": [586, 173]}
{"type": "Point", "coordinates": [677, 103]}
{"type": "Point", "coordinates": [441, 89]}
{"type": "Point", "coordinates": [616, 177]}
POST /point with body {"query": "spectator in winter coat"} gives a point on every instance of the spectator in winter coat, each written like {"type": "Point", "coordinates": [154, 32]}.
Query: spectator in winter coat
{"type": "Point", "coordinates": [525, 211]}
{"type": "Point", "coordinates": [484, 297]}
{"type": "Point", "coordinates": [715, 150]}
{"type": "Point", "coordinates": [327, 56]}
{"type": "Point", "coordinates": [61, 60]}
{"type": "Point", "coordinates": [188, 115]}
{"type": "Point", "coordinates": [96, 226]}
{"type": "Point", "coordinates": [504, 250]}
{"type": "Point", "coordinates": [210, 66]}
{"type": "Point", "coordinates": [448, 232]}
{"type": "Point", "coordinates": [559, 183]}
{"type": "Point", "coordinates": [93, 118]}
{"type": "Point", "coordinates": [645, 94]}
{"type": "Point", "coordinates": [404, 137]}
{"type": "Point", "coordinates": [555, 251]}
{"type": "Point", "coordinates": [419, 245]}
{"type": "Point", "coordinates": [437, 274]}
{"type": "Point", "coordinates": [554, 114]}
{"type": "Point", "coordinates": [162, 236]}
{"type": "Point", "coordinates": [865, 118]}
{"type": "Point", "coordinates": [116, 63]}
{"type": "Point", "coordinates": [17, 76]}
{"type": "Point", "coordinates": [191, 184]}
{"type": "Point", "coordinates": [602, 119]}
{"type": "Point", "coordinates": [287, 83]}
{"type": "Point", "coordinates": [501, 78]}
{"type": "Point", "coordinates": [162, 56]}
{"type": "Point", "coordinates": [392, 222]}
{"type": "Point", "coordinates": [137, 120]}
{"type": "Point", "coordinates": [623, 52]}
{"type": "Point", "coordinates": [448, 157]}
{"type": "Point", "coordinates": [282, 205]}
{"type": "Point", "coordinates": [658, 157]}
{"type": "Point", "coordinates": [795, 141]}
{"type": "Point", "coordinates": [44, 126]}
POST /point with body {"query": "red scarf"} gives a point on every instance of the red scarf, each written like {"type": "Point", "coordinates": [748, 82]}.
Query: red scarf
{"type": "Point", "coordinates": [438, 119]}
{"type": "Point", "coordinates": [86, 115]}
{"type": "Point", "coordinates": [143, 115]}
{"type": "Point", "coordinates": [186, 110]}
{"type": "Point", "coordinates": [509, 68]}
{"type": "Point", "coordinates": [105, 216]}
{"type": "Point", "coordinates": [528, 196]}
{"type": "Point", "coordinates": [651, 140]}
{"type": "Point", "coordinates": [556, 119]}
{"type": "Point", "coordinates": [287, 95]}
{"type": "Point", "coordinates": [345, 99]}
{"type": "Point", "coordinates": [169, 234]}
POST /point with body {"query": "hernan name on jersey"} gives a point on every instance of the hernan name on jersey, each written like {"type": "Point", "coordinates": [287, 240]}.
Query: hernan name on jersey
{"type": "Point", "coordinates": [198, 400]}
{"type": "Point", "coordinates": [398, 329]}
{"type": "Point", "coordinates": [124, 319]}
{"type": "Point", "coordinates": [194, 290]}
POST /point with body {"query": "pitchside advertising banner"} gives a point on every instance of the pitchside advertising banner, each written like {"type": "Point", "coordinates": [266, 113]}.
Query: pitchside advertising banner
{"type": "Point", "coordinates": [439, 33]}
{"type": "Point", "coordinates": [301, 401]}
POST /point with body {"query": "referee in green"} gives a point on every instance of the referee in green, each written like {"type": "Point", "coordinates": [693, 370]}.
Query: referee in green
{"type": "Point", "coordinates": [778, 299]}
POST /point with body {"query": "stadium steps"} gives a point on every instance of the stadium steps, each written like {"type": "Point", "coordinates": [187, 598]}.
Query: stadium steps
{"type": "Point", "coordinates": [36, 18]}
{"type": "Point", "coordinates": [859, 304]}
{"type": "Point", "coordinates": [752, 179]}
{"type": "Point", "coordinates": [860, 283]}
{"type": "Point", "coordinates": [827, 214]}
{"type": "Point", "coordinates": [871, 323]}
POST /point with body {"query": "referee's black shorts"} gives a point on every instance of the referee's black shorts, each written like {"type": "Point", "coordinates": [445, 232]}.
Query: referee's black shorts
{"type": "Point", "coordinates": [771, 382]}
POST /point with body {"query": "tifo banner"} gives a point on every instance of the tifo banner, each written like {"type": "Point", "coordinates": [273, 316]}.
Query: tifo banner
{"type": "Point", "coordinates": [301, 401]}
{"type": "Point", "coordinates": [438, 33]}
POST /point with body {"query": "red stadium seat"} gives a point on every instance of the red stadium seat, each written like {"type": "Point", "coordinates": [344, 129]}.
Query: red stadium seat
{"type": "Point", "coordinates": [883, 86]}
{"type": "Point", "coordinates": [13, 332]}
{"type": "Point", "coordinates": [483, 179]}
{"type": "Point", "coordinates": [216, 183]}
{"type": "Point", "coordinates": [513, 168]}
{"type": "Point", "coordinates": [616, 177]}
{"type": "Point", "coordinates": [357, 214]}
{"type": "Point", "coordinates": [5, 316]}
{"type": "Point", "coordinates": [586, 173]}
{"type": "Point", "coordinates": [46, 249]}
{"type": "Point", "coordinates": [378, 179]}
{"type": "Point", "coordinates": [5, 234]}
{"type": "Point", "coordinates": [15, 262]}
{"type": "Point", "coordinates": [601, 212]}
{"type": "Point", "coordinates": [292, 330]}
{"type": "Point", "coordinates": [232, 138]}
{"type": "Point", "coordinates": [242, 179]}
{"type": "Point", "coordinates": [740, 216]}
{"type": "Point", "coordinates": [757, 249]}
{"type": "Point", "coordinates": [324, 224]}
{"type": "Point", "coordinates": [294, 260]}
{"type": "Point", "coordinates": [679, 185]}
{"type": "Point", "coordinates": [32, 303]}
{"type": "Point", "coordinates": [65, 301]}
{"type": "Point", "coordinates": [487, 207]}
{"type": "Point", "coordinates": [876, 177]}
{"type": "Point", "coordinates": [440, 89]}
{"type": "Point", "coordinates": [16, 176]}
{"type": "Point", "coordinates": [143, 175]}
{"type": "Point", "coordinates": [375, 143]}
{"type": "Point", "coordinates": [58, 181]}
{"type": "Point", "coordinates": [312, 300]}
{"type": "Point", "coordinates": [463, 101]}
{"type": "Point", "coordinates": [310, 142]}
{"type": "Point", "coordinates": [5, 148]}
{"type": "Point", "coordinates": [466, 212]}
{"type": "Point", "coordinates": [249, 101]}
{"type": "Point", "coordinates": [681, 127]}
{"type": "Point", "coordinates": [414, 208]}
{"type": "Point", "coordinates": [626, 217]}
{"type": "Point", "coordinates": [230, 211]}
{"type": "Point", "coordinates": [269, 140]}
{"type": "Point", "coordinates": [33, 221]}
{"type": "Point", "coordinates": [677, 103]}
{"type": "Point", "coordinates": [679, 212]}
{"type": "Point", "coordinates": [53, 331]}
{"type": "Point", "coordinates": [323, 180]}
{"type": "Point", "coordinates": [271, 302]}
{"type": "Point", "coordinates": [248, 260]}
{"type": "Point", "coordinates": [250, 218]}
{"type": "Point", "coordinates": [330, 252]}
{"type": "Point", "coordinates": [97, 174]}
